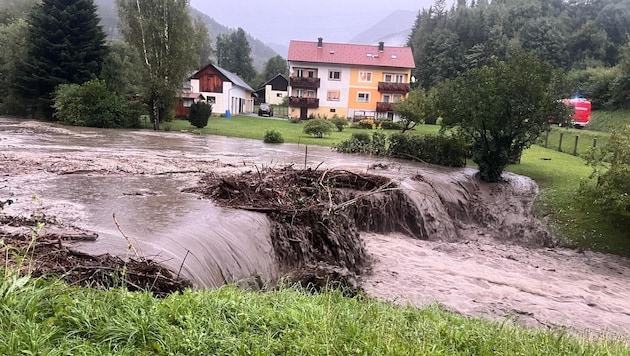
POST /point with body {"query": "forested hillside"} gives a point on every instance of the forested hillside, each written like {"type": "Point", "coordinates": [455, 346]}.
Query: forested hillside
{"type": "Point", "coordinates": [588, 39]}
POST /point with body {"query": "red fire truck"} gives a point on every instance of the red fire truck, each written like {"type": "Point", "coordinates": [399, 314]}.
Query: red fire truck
{"type": "Point", "coordinates": [582, 111]}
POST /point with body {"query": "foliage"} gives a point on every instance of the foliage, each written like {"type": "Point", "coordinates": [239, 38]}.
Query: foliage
{"type": "Point", "coordinates": [92, 104]}
{"type": "Point", "coordinates": [436, 149]}
{"type": "Point", "coordinates": [391, 125]}
{"type": "Point", "coordinates": [416, 109]}
{"type": "Point", "coordinates": [162, 34]}
{"type": "Point", "coordinates": [199, 114]}
{"type": "Point", "coordinates": [273, 136]}
{"type": "Point", "coordinates": [120, 69]}
{"type": "Point", "coordinates": [203, 42]}
{"type": "Point", "coordinates": [295, 120]}
{"type": "Point", "coordinates": [318, 127]}
{"type": "Point", "coordinates": [13, 41]}
{"type": "Point", "coordinates": [595, 83]}
{"type": "Point", "coordinates": [274, 66]}
{"type": "Point", "coordinates": [502, 109]}
{"type": "Point", "coordinates": [66, 44]}
{"type": "Point", "coordinates": [611, 171]}
{"type": "Point", "coordinates": [339, 122]}
{"type": "Point", "coordinates": [234, 54]}
{"type": "Point", "coordinates": [366, 124]}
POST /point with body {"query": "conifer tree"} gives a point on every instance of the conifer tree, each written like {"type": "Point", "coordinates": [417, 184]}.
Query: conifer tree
{"type": "Point", "coordinates": [66, 45]}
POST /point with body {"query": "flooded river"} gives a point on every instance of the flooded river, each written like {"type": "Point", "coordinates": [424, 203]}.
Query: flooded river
{"type": "Point", "coordinates": [481, 251]}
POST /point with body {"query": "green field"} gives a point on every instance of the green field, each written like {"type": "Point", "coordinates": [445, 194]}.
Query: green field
{"type": "Point", "coordinates": [49, 318]}
{"type": "Point", "coordinates": [607, 121]}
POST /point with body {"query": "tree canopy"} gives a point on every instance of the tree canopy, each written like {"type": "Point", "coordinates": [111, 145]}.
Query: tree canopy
{"type": "Point", "coordinates": [66, 44]}
{"type": "Point", "coordinates": [162, 33]}
{"type": "Point", "coordinates": [234, 54]}
{"type": "Point", "coordinates": [502, 109]}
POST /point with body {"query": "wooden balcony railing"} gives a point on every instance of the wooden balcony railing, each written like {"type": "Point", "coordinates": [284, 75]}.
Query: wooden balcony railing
{"type": "Point", "coordinates": [298, 102]}
{"type": "Point", "coordinates": [386, 87]}
{"type": "Point", "coordinates": [304, 82]}
{"type": "Point", "coordinates": [384, 107]}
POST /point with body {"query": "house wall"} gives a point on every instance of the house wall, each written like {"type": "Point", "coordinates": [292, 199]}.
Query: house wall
{"type": "Point", "coordinates": [274, 97]}
{"type": "Point", "coordinates": [228, 99]}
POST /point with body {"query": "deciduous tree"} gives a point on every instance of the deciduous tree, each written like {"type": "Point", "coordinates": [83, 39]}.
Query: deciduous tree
{"type": "Point", "coordinates": [502, 109]}
{"type": "Point", "coordinates": [161, 31]}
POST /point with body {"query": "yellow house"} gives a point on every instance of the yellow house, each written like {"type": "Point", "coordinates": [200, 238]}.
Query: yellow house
{"type": "Point", "coordinates": [351, 80]}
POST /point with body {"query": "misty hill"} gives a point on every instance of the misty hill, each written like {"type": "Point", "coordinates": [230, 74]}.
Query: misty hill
{"type": "Point", "coordinates": [260, 52]}
{"type": "Point", "coordinates": [393, 30]}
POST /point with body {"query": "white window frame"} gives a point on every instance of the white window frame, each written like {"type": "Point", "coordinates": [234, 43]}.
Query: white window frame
{"type": "Point", "coordinates": [388, 77]}
{"type": "Point", "coordinates": [338, 96]}
{"type": "Point", "coordinates": [386, 98]}
{"type": "Point", "coordinates": [331, 75]}
{"type": "Point", "coordinates": [311, 73]}
{"type": "Point", "coordinates": [399, 78]}
{"type": "Point", "coordinates": [299, 93]}
{"type": "Point", "coordinates": [396, 98]}
{"type": "Point", "coordinates": [300, 73]}
{"type": "Point", "coordinates": [365, 77]}
{"type": "Point", "coordinates": [363, 97]}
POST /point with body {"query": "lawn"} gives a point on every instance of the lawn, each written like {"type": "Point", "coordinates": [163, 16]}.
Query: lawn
{"type": "Point", "coordinates": [255, 127]}
{"type": "Point", "coordinates": [585, 139]}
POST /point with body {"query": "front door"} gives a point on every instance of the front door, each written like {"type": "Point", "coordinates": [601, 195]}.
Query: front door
{"type": "Point", "coordinates": [303, 113]}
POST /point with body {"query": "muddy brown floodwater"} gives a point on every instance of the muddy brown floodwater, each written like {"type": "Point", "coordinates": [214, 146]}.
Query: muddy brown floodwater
{"type": "Point", "coordinates": [438, 236]}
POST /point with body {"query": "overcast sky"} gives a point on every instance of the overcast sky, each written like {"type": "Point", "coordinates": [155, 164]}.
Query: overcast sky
{"type": "Point", "coordinates": [278, 21]}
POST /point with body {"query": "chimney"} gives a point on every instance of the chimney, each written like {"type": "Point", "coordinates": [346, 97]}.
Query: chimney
{"type": "Point", "coordinates": [320, 42]}
{"type": "Point", "coordinates": [381, 46]}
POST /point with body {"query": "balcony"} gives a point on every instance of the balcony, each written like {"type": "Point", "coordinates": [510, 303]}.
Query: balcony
{"type": "Point", "coordinates": [398, 88]}
{"type": "Point", "coordinates": [384, 107]}
{"type": "Point", "coordinates": [297, 102]}
{"type": "Point", "coordinates": [304, 82]}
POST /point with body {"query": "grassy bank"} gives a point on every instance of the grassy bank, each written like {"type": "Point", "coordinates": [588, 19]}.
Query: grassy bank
{"type": "Point", "coordinates": [607, 121]}
{"type": "Point", "coordinates": [585, 140]}
{"type": "Point", "coordinates": [50, 318]}
{"type": "Point", "coordinates": [255, 128]}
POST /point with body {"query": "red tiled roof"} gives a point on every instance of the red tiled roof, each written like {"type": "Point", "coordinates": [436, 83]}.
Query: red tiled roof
{"type": "Point", "coordinates": [353, 54]}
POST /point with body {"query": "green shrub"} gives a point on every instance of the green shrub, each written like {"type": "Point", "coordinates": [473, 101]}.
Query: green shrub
{"type": "Point", "coordinates": [295, 120]}
{"type": "Point", "coordinates": [391, 125]}
{"type": "Point", "coordinates": [199, 114]}
{"type": "Point", "coordinates": [339, 122]}
{"type": "Point", "coordinates": [92, 104]}
{"type": "Point", "coordinates": [608, 193]}
{"type": "Point", "coordinates": [358, 143]}
{"type": "Point", "coordinates": [273, 136]}
{"type": "Point", "coordinates": [437, 149]}
{"type": "Point", "coordinates": [367, 124]}
{"type": "Point", "coordinates": [378, 144]}
{"type": "Point", "coordinates": [318, 128]}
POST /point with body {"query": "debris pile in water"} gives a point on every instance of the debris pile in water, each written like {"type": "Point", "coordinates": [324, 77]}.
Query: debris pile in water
{"type": "Point", "coordinates": [43, 254]}
{"type": "Point", "coordinates": [314, 214]}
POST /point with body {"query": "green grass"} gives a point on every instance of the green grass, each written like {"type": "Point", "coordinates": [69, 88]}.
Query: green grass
{"type": "Point", "coordinates": [607, 121]}
{"type": "Point", "coordinates": [585, 139]}
{"type": "Point", "coordinates": [255, 128]}
{"type": "Point", "coordinates": [559, 175]}
{"type": "Point", "coordinates": [44, 318]}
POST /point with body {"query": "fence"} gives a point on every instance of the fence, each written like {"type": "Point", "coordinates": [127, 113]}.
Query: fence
{"type": "Point", "coordinates": [571, 142]}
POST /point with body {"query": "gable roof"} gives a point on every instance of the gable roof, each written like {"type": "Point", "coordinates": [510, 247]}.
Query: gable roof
{"type": "Point", "coordinates": [274, 78]}
{"type": "Point", "coordinates": [352, 54]}
{"type": "Point", "coordinates": [232, 77]}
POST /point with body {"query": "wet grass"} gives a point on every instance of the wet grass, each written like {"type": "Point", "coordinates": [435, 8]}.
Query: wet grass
{"type": "Point", "coordinates": [559, 175]}
{"type": "Point", "coordinates": [607, 121]}
{"type": "Point", "coordinates": [255, 128]}
{"type": "Point", "coordinates": [585, 140]}
{"type": "Point", "coordinates": [39, 317]}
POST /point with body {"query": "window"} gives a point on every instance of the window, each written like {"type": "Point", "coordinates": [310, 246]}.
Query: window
{"type": "Point", "coordinates": [310, 94]}
{"type": "Point", "coordinates": [333, 110]}
{"type": "Point", "coordinates": [400, 78]}
{"type": "Point", "coordinates": [396, 98]}
{"type": "Point", "coordinates": [279, 95]}
{"type": "Point", "coordinates": [311, 74]}
{"type": "Point", "coordinates": [299, 93]}
{"type": "Point", "coordinates": [334, 75]}
{"type": "Point", "coordinates": [365, 77]}
{"type": "Point", "coordinates": [188, 103]}
{"type": "Point", "coordinates": [387, 78]}
{"type": "Point", "coordinates": [211, 99]}
{"type": "Point", "coordinates": [386, 98]}
{"type": "Point", "coordinates": [300, 73]}
{"type": "Point", "coordinates": [333, 95]}
{"type": "Point", "coordinates": [363, 97]}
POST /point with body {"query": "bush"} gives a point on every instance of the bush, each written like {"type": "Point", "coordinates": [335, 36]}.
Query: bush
{"type": "Point", "coordinates": [358, 143]}
{"type": "Point", "coordinates": [295, 120]}
{"type": "Point", "coordinates": [611, 175]}
{"type": "Point", "coordinates": [273, 136]}
{"type": "Point", "coordinates": [437, 149]}
{"type": "Point", "coordinates": [391, 125]}
{"type": "Point", "coordinates": [92, 104]}
{"type": "Point", "coordinates": [339, 122]}
{"type": "Point", "coordinates": [199, 114]}
{"type": "Point", "coordinates": [318, 127]}
{"type": "Point", "coordinates": [364, 124]}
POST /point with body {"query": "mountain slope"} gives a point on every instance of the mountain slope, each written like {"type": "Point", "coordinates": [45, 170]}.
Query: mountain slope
{"type": "Point", "coordinates": [260, 52]}
{"type": "Point", "coordinates": [393, 30]}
